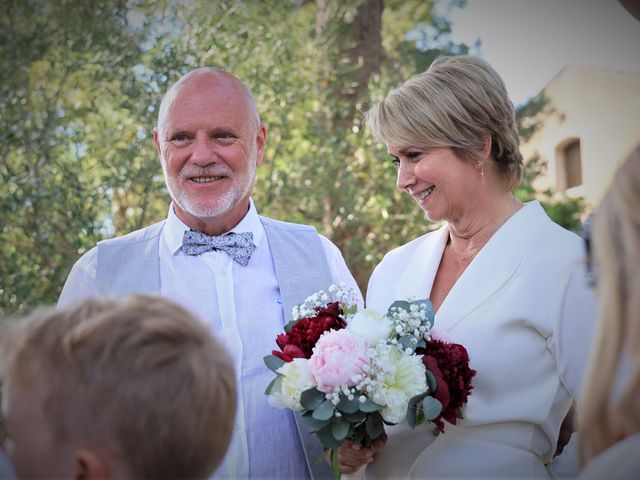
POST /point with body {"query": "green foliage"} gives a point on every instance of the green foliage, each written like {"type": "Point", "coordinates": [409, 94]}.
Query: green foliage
{"type": "Point", "coordinates": [565, 211]}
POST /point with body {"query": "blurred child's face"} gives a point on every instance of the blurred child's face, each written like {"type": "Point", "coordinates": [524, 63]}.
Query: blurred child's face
{"type": "Point", "coordinates": [30, 445]}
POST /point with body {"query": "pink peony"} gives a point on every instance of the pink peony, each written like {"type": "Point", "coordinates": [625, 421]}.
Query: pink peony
{"type": "Point", "coordinates": [337, 358]}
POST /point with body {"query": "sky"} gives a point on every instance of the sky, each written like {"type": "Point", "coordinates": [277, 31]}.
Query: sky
{"type": "Point", "coordinates": [529, 41]}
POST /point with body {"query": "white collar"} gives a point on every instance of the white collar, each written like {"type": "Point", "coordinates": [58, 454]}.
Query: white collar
{"type": "Point", "coordinates": [174, 228]}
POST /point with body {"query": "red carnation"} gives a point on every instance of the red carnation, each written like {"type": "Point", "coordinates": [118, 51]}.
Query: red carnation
{"type": "Point", "coordinates": [449, 363]}
{"type": "Point", "coordinates": [300, 340]}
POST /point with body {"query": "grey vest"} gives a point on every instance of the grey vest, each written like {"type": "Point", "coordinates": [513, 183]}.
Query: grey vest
{"type": "Point", "coordinates": [130, 264]}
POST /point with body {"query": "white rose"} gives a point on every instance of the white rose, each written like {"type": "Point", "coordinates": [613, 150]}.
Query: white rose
{"type": "Point", "coordinates": [289, 386]}
{"type": "Point", "coordinates": [370, 325]}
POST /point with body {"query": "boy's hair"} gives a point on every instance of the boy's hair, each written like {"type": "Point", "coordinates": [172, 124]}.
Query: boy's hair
{"type": "Point", "coordinates": [139, 377]}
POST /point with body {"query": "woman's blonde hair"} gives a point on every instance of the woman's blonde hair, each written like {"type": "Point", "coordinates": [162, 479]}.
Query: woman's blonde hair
{"type": "Point", "coordinates": [605, 416]}
{"type": "Point", "coordinates": [458, 103]}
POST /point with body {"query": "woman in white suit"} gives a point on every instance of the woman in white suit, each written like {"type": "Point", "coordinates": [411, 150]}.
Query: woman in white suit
{"type": "Point", "coordinates": [506, 282]}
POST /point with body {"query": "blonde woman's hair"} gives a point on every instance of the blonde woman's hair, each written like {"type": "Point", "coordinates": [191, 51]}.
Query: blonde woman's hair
{"type": "Point", "coordinates": [605, 417]}
{"type": "Point", "coordinates": [139, 378]}
{"type": "Point", "coordinates": [458, 103]}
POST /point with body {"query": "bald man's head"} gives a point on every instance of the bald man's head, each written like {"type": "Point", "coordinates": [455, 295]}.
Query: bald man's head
{"type": "Point", "coordinates": [208, 76]}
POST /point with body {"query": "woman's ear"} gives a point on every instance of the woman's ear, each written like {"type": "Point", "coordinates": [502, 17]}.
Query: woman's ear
{"type": "Point", "coordinates": [486, 147]}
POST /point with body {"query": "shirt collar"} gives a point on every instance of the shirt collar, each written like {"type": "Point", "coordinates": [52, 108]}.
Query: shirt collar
{"type": "Point", "coordinates": [174, 228]}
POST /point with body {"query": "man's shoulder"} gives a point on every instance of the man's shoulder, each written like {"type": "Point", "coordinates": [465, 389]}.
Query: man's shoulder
{"type": "Point", "coordinates": [142, 235]}
{"type": "Point", "coordinates": [289, 226]}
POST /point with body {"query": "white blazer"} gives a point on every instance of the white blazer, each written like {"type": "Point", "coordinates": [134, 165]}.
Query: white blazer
{"type": "Point", "coordinates": [525, 313]}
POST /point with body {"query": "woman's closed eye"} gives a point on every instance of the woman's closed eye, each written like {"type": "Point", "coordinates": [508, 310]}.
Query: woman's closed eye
{"type": "Point", "coordinates": [413, 156]}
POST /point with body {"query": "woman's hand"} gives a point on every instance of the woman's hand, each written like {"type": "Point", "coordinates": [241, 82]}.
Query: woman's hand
{"type": "Point", "coordinates": [351, 456]}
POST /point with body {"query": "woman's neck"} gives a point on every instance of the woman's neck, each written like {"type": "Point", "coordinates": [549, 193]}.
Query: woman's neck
{"type": "Point", "coordinates": [468, 235]}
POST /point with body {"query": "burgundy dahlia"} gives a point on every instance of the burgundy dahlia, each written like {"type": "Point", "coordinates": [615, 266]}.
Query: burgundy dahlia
{"type": "Point", "coordinates": [299, 342]}
{"type": "Point", "coordinates": [449, 363]}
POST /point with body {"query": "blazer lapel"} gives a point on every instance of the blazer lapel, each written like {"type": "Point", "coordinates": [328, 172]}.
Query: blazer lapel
{"type": "Point", "coordinates": [492, 268]}
{"type": "Point", "coordinates": [416, 280]}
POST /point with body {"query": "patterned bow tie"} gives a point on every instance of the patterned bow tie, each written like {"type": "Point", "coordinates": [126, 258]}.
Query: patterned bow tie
{"type": "Point", "coordinates": [238, 245]}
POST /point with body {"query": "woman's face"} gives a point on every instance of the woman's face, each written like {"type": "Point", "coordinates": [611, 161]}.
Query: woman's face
{"type": "Point", "coordinates": [444, 185]}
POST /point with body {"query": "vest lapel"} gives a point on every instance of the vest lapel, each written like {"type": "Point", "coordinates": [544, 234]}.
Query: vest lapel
{"type": "Point", "coordinates": [301, 269]}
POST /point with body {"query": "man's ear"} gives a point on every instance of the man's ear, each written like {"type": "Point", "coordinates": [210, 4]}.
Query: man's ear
{"type": "Point", "coordinates": [261, 143]}
{"type": "Point", "coordinates": [156, 139]}
{"type": "Point", "coordinates": [90, 465]}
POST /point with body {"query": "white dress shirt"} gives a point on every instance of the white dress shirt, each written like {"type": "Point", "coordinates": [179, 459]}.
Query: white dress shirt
{"type": "Point", "coordinates": [266, 442]}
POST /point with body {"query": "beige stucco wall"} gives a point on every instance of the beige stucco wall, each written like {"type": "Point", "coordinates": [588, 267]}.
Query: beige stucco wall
{"type": "Point", "coordinates": [602, 109]}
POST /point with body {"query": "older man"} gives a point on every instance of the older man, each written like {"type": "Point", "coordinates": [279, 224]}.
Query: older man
{"type": "Point", "coordinates": [214, 254]}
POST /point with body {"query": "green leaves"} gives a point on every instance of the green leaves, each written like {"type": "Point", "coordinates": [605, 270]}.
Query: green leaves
{"type": "Point", "coordinates": [311, 399]}
{"type": "Point", "coordinates": [273, 363]}
{"type": "Point", "coordinates": [348, 420]}
{"type": "Point", "coordinates": [421, 408]}
{"type": "Point", "coordinates": [324, 411]}
{"type": "Point", "coordinates": [431, 407]}
{"type": "Point", "coordinates": [370, 406]}
{"type": "Point", "coordinates": [375, 425]}
{"type": "Point", "coordinates": [348, 406]}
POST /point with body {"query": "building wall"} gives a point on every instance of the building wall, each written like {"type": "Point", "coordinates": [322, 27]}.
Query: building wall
{"type": "Point", "coordinates": [599, 107]}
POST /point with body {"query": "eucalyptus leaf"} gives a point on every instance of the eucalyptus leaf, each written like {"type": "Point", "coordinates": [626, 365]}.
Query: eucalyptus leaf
{"type": "Point", "coordinates": [421, 344]}
{"type": "Point", "coordinates": [431, 407]}
{"type": "Point", "coordinates": [327, 439]}
{"type": "Point", "coordinates": [430, 311]}
{"type": "Point", "coordinates": [369, 406]}
{"type": "Point", "coordinates": [311, 399]}
{"type": "Point", "coordinates": [399, 304]}
{"type": "Point", "coordinates": [348, 406]}
{"type": "Point", "coordinates": [408, 341]}
{"type": "Point", "coordinates": [273, 363]}
{"type": "Point", "coordinates": [339, 428]}
{"type": "Point", "coordinates": [312, 423]}
{"type": "Point", "coordinates": [324, 411]}
{"type": "Point", "coordinates": [412, 415]}
{"type": "Point", "coordinates": [375, 427]}
{"type": "Point", "coordinates": [355, 417]}
{"type": "Point", "coordinates": [272, 384]}
{"type": "Point", "coordinates": [358, 434]}
{"type": "Point", "coordinates": [431, 381]}
{"type": "Point", "coordinates": [289, 326]}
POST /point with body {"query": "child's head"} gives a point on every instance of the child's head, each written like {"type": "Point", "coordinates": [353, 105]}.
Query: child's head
{"type": "Point", "coordinates": [135, 387]}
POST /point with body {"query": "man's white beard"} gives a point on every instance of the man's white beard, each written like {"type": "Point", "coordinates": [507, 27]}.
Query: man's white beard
{"type": "Point", "coordinates": [241, 186]}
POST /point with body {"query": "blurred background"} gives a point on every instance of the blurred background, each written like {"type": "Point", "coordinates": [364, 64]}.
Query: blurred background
{"type": "Point", "coordinates": [80, 82]}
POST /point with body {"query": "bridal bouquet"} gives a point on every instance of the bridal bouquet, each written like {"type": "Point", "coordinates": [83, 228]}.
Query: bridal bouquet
{"type": "Point", "coordinates": [347, 373]}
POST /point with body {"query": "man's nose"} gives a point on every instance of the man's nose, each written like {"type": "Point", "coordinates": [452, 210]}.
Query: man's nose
{"type": "Point", "coordinates": [203, 152]}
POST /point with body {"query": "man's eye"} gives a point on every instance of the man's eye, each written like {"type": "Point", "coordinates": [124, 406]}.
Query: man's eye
{"type": "Point", "coordinates": [413, 155]}
{"type": "Point", "coordinates": [224, 138]}
{"type": "Point", "coordinates": [395, 161]}
{"type": "Point", "coordinates": [180, 138]}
